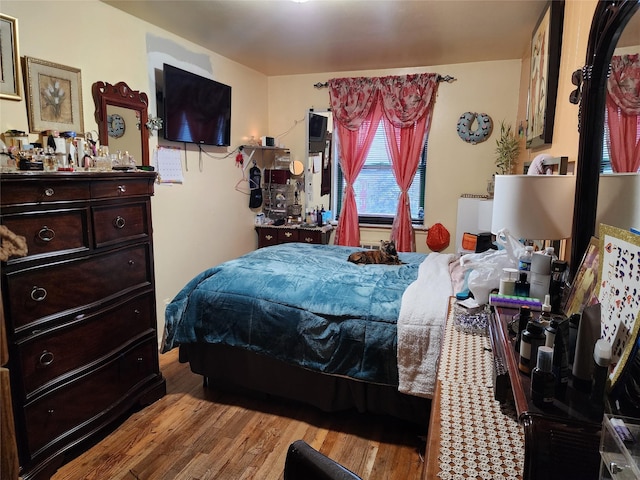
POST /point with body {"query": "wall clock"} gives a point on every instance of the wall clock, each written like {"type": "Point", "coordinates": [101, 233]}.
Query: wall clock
{"type": "Point", "coordinates": [115, 125]}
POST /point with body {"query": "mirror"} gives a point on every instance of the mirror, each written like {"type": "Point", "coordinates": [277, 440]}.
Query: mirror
{"type": "Point", "coordinates": [615, 24]}
{"type": "Point", "coordinates": [319, 125]}
{"type": "Point", "coordinates": [122, 119]}
{"type": "Point", "coordinates": [609, 22]}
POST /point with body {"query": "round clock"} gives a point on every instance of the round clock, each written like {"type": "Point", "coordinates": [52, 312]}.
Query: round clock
{"type": "Point", "coordinates": [115, 125]}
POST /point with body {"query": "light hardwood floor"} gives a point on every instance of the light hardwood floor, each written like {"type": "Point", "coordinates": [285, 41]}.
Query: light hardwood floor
{"type": "Point", "coordinates": [198, 433]}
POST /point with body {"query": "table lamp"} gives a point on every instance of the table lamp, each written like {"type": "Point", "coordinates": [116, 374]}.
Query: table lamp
{"type": "Point", "coordinates": [534, 207]}
{"type": "Point", "coordinates": [619, 201]}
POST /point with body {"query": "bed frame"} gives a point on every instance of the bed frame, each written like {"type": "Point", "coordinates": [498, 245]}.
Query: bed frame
{"type": "Point", "coordinates": [239, 369]}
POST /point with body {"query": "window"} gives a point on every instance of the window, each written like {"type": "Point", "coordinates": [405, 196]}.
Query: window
{"type": "Point", "coordinates": [376, 189]}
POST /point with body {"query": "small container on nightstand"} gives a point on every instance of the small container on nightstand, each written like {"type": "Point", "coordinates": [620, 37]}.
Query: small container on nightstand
{"type": "Point", "coordinates": [620, 448]}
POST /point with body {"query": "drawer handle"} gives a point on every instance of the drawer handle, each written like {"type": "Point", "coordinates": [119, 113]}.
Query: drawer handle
{"type": "Point", "coordinates": [288, 234]}
{"type": "Point", "coordinates": [268, 237]}
{"type": "Point", "coordinates": [49, 192]}
{"type": "Point", "coordinates": [46, 358]}
{"type": "Point", "coordinates": [308, 239]}
{"type": "Point", "coordinates": [38, 294]}
{"type": "Point", "coordinates": [136, 311]}
{"type": "Point", "coordinates": [131, 263]}
{"type": "Point", "coordinates": [119, 222]}
{"type": "Point", "coordinates": [46, 234]}
{"type": "Point", "coordinates": [122, 189]}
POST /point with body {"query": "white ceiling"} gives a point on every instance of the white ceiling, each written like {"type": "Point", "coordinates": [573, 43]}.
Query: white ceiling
{"type": "Point", "coordinates": [282, 37]}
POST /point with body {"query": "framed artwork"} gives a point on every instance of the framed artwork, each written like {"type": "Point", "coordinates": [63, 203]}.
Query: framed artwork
{"type": "Point", "coordinates": [546, 44]}
{"type": "Point", "coordinates": [619, 294]}
{"type": "Point", "coordinates": [54, 96]}
{"type": "Point", "coordinates": [583, 291]}
{"type": "Point", "coordinates": [9, 59]}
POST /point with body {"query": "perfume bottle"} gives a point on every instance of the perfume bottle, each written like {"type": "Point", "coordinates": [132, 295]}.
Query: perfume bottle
{"type": "Point", "coordinates": [543, 379]}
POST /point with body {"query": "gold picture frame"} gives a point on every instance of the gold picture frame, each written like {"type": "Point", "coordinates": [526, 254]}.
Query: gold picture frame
{"type": "Point", "coordinates": [9, 59]}
{"type": "Point", "coordinates": [54, 96]}
{"type": "Point", "coordinates": [585, 284]}
{"type": "Point", "coordinates": [619, 294]}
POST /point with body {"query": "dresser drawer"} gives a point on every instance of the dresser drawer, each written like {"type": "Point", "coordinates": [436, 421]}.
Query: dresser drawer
{"type": "Point", "coordinates": [51, 354]}
{"type": "Point", "coordinates": [116, 223]}
{"type": "Point", "coordinates": [267, 236]}
{"type": "Point", "coordinates": [50, 232]}
{"type": "Point", "coordinates": [121, 188]}
{"type": "Point", "coordinates": [286, 235]}
{"type": "Point", "coordinates": [55, 289]}
{"type": "Point", "coordinates": [62, 414]}
{"type": "Point", "coordinates": [313, 236]}
{"type": "Point", "coordinates": [28, 192]}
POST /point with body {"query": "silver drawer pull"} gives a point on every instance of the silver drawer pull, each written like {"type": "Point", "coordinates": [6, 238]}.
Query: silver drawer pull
{"type": "Point", "coordinates": [131, 263]}
{"type": "Point", "coordinates": [119, 222]}
{"type": "Point", "coordinates": [46, 358]}
{"type": "Point", "coordinates": [49, 192]}
{"type": "Point", "coordinates": [46, 234]}
{"type": "Point", "coordinates": [122, 189]}
{"type": "Point", "coordinates": [38, 294]}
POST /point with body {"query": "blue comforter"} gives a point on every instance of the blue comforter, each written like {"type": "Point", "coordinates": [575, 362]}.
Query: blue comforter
{"type": "Point", "coordinates": [303, 304]}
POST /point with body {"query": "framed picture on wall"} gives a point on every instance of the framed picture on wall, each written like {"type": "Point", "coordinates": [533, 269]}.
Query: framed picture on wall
{"type": "Point", "coordinates": [54, 96]}
{"type": "Point", "coordinates": [546, 44]}
{"type": "Point", "coordinates": [9, 59]}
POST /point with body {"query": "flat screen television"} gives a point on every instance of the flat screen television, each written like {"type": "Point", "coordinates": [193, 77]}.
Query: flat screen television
{"type": "Point", "coordinates": [196, 109]}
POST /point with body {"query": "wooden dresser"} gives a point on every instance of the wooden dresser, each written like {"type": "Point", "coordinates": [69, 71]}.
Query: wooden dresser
{"type": "Point", "coordinates": [272, 235]}
{"type": "Point", "coordinates": [79, 309]}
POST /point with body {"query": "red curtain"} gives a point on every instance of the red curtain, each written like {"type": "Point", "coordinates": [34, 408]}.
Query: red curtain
{"type": "Point", "coordinates": [408, 102]}
{"type": "Point", "coordinates": [357, 105]}
{"type": "Point", "coordinates": [356, 114]}
{"type": "Point", "coordinates": [623, 113]}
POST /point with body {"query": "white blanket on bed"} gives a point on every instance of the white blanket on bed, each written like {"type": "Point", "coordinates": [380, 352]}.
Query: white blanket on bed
{"type": "Point", "coordinates": [421, 325]}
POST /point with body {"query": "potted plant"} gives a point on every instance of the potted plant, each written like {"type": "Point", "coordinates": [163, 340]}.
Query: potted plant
{"type": "Point", "coordinates": [507, 149]}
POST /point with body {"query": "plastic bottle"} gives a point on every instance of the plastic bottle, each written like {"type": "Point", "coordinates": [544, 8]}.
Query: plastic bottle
{"type": "Point", "coordinates": [559, 275]}
{"type": "Point", "coordinates": [508, 281]}
{"type": "Point", "coordinates": [545, 316]}
{"type": "Point", "coordinates": [550, 332]}
{"type": "Point", "coordinates": [524, 261]}
{"type": "Point", "coordinates": [540, 275]}
{"type": "Point", "coordinates": [531, 339]}
{"type": "Point", "coordinates": [542, 378]}
{"type": "Point", "coordinates": [522, 318]}
{"type": "Point", "coordinates": [561, 355]}
{"type": "Point", "coordinates": [522, 286]}
{"type": "Point", "coordinates": [601, 362]}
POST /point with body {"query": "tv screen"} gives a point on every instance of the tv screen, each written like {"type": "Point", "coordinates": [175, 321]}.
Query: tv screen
{"type": "Point", "coordinates": [196, 109]}
{"type": "Point", "coordinates": [317, 127]}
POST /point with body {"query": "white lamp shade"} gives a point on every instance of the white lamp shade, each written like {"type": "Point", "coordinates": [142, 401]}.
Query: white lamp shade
{"type": "Point", "coordinates": [534, 207]}
{"type": "Point", "coordinates": [619, 200]}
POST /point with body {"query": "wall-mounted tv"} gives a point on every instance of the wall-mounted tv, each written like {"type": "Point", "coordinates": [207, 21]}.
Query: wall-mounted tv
{"type": "Point", "coordinates": [196, 109]}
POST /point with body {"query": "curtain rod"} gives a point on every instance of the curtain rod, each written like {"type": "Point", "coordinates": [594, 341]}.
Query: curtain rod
{"type": "Point", "coordinates": [446, 78]}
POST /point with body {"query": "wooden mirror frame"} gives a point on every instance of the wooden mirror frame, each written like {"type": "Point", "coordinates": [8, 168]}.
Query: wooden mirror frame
{"type": "Point", "coordinates": [609, 20]}
{"type": "Point", "coordinates": [122, 96]}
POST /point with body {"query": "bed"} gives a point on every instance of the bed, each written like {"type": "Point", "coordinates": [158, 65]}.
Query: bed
{"type": "Point", "coordinates": [298, 321]}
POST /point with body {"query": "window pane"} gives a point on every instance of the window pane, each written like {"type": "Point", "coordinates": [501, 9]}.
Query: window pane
{"type": "Point", "coordinates": [376, 189]}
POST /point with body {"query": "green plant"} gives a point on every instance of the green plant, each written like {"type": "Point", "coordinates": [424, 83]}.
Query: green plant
{"type": "Point", "coordinates": [507, 149]}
